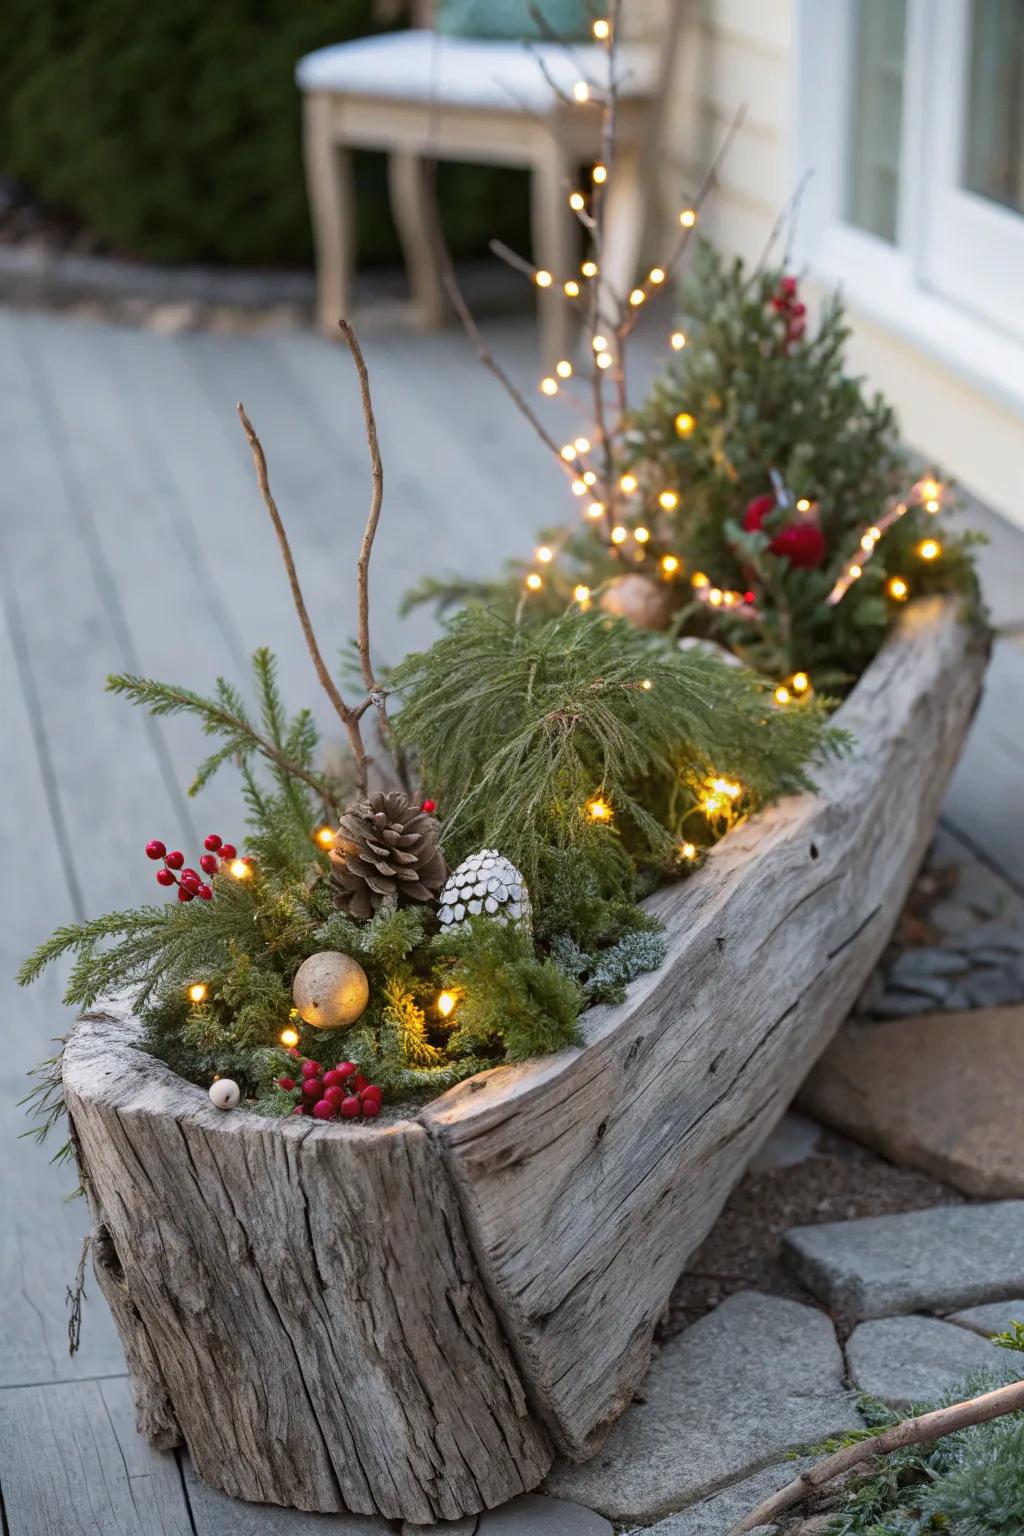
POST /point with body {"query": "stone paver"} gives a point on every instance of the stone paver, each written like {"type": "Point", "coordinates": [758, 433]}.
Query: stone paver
{"type": "Point", "coordinates": [751, 1380]}
{"type": "Point", "coordinates": [996, 1317]}
{"type": "Point", "coordinates": [950, 1257]}
{"type": "Point", "coordinates": [941, 1092]}
{"type": "Point", "coordinates": [464, 1527]}
{"type": "Point", "coordinates": [793, 1140]}
{"type": "Point", "coordinates": [714, 1516]}
{"type": "Point", "coordinates": [532, 1514]}
{"type": "Point", "coordinates": [907, 1360]}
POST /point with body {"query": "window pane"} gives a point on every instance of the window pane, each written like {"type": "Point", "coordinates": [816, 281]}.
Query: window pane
{"type": "Point", "coordinates": [876, 129]}
{"type": "Point", "coordinates": [994, 150]}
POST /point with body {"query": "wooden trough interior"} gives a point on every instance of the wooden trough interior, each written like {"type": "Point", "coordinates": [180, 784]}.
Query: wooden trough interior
{"type": "Point", "coordinates": [413, 1318]}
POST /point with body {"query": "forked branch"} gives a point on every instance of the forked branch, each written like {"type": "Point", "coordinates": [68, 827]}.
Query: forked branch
{"type": "Point", "coordinates": [349, 715]}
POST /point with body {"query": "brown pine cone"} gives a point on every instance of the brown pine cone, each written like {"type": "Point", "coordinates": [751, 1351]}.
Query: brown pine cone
{"type": "Point", "coordinates": [386, 849]}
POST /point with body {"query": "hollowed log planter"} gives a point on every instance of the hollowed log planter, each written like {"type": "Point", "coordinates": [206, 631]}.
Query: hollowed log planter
{"type": "Point", "coordinates": [413, 1318]}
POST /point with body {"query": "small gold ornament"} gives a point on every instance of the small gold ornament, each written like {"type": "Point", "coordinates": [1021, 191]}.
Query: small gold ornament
{"type": "Point", "coordinates": [647, 604]}
{"type": "Point", "coordinates": [330, 990]}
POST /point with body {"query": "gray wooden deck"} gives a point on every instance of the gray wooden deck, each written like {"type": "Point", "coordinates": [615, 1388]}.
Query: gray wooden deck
{"type": "Point", "coordinates": [131, 536]}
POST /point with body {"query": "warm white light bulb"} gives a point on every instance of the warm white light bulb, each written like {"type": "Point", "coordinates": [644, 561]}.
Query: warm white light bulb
{"type": "Point", "coordinates": [602, 29]}
{"type": "Point", "coordinates": [637, 297]}
{"type": "Point", "coordinates": [543, 278]}
{"type": "Point", "coordinates": [677, 341]}
{"type": "Point", "coordinates": [656, 275]}
{"type": "Point", "coordinates": [688, 218]}
{"type": "Point", "coordinates": [628, 484]}
{"type": "Point", "coordinates": [604, 360]}
{"type": "Point", "coordinates": [534, 582]}
{"type": "Point", "coordinates": [581, 91]}
{"type": "Point", "coordinates": [668, 500]}
{"type": "Point", "coordinates": [619, 534]}
{"type": "Point", "coordinates": [564, 368]}
{"type": "Point", "coordinates": [641, 535]}
{"type": "Point", "coordinates": [549, 386]}
{"type": "Point", "coordinates": [582, 445]}
{"type": "Point", "coordinates": [545, 554]}
{"type": "Point", "coordinates": [600, 174]}
{"type": "Point", "coordinates": [571, 289]}
{"type": "Point", "coordinates": [577, 202]}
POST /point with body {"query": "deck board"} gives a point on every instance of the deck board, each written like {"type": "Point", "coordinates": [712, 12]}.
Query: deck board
{"type": "Point", "coordinates": [132, 535]}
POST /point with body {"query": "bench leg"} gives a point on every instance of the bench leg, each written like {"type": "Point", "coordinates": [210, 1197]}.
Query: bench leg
{"type": "Point", "coordinates": [333, 210]}
{"type": "Point", "coordinates": [555, 246]}
{"type": "Point", "coordinates": [414, 206]}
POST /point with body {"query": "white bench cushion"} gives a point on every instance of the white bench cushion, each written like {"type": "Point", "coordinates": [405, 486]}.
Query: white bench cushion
{"type": "Point", "coordinates": [468, 72]}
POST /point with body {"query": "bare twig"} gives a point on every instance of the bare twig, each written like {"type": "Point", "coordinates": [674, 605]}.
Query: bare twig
{"type": "Point", "coordinates": [919, 1431]}
{"type": "Point", "coordinates": [75, 1297]}
{"type": "Point", "coordinates": [377, 497]}
{"type": "Point", "coordinates": [489, 361]}
{"type": "Point", "coordinates": [348, 717]}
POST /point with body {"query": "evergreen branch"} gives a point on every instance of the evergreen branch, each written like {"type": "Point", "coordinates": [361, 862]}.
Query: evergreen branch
{"type": "Point", "coordinates": [914, 1431]}
{"type": "Point", "coordinates": [218, 719]}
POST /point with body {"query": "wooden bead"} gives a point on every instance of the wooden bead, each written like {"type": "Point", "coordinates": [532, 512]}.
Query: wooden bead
{"type": "Point", "coordinates": [330, 990]}
{"type": "Point", "coordinates": [225, 1093]}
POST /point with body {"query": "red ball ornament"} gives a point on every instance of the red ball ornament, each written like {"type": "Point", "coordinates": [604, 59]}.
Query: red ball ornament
{"type": "Point", "coordinates": [313, 1089]}
{"type": "Point", "coordinates": [184, 894]}
{"type": "Point", "coordinates": [212, 842]}
{"type": "Point", "coordinates": [430, 806]}
{"type": "Point", "coordinates": [287, 1083]}
{"type": "Point", "coordinates": [324, 1110]}
{"type": "Point", "coordinates": [164, 877]}
{"type": "Point", "coordinates": [300, 1109]}
{"type": "Point", "coordinates": [311, 1069]}
{"type": "Point", "coordinates": [802, 544]}
{"type": "Point", "coordinates": [175, 859]}
{"type": "Point", "coordinates": [208, 864]}
{"type": "Point", "coordinates": [228, 851]}
{"type": "Point", "coordinates": [371, 1107]}
{"type": "Point", "coordinates": [155, 849]}
{"type": "Point", "coordinates": [205, 893]}
{"type": "Point", "coordinates": [758, 509]}
{"type": "Point", "coordinates": [350, 1108]}
{"type": "Point", "coordinates": [334, 1094]}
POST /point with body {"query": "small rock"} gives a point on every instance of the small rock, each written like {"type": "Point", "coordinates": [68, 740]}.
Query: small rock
{"type": "Point", "coordinates": [941, 1093]}
{"type": "Point", "coordinates": [952, 917]}
{"type": "Point", "coordinates": [465, 1527]}
{"type": "Point", "coordinates": [906, 1360]}
{"type": "Point", "coordinates": [905, 1004]}
{"type": "Point", "coordinates": [755, 1378]}
{"type": "Point", "coordinates": [793, 1141]}
{"type": "Point", "coordinates": [991, 989]}
{"type": "Point", "coordinates": [712, 1517]}
{"type": "Point", "coordinates": [913, 964]}
{"type": "Point", "coordinates": [993, 935]}
{"type": "Point", "coordinates": [533, 1514]}
{"type": "Point", "coordinates": [949, 1257]}
{"type": "Point", "coordinates": [996, 1317]}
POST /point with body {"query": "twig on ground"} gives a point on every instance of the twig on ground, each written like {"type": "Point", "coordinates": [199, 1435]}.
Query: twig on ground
{"type": "Point", "coordinates": [919, 1431]}
{"type": "Point", "coordinates": [75, 1297]}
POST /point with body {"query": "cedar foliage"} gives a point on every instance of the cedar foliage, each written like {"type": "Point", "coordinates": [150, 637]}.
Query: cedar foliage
{"type": "Point", "coordinates": [518, 729]}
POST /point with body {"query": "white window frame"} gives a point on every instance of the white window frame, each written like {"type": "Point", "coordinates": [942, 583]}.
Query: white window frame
{"type": "Point", "coordinates": [953, 282]}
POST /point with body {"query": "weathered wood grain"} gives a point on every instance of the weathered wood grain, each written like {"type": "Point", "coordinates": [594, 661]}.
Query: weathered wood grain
{"type": "Point", "coordinates": [72, 1465]}
{"type": "Point", "coordinates": [303, 1297]}
{"type": "Point", "coordinates": [587, 1179]}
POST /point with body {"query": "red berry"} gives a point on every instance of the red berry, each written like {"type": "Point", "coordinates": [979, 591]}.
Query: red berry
{"type": "Point", "coordinates": [184, 894]}
{"type": "Point", "coordinates": [212, 842]}
{"type": "Point", "coordinates": [371, 1107]}
{"type": "Point", "coordinates": [174, 860]}
{"type": "Point", "coordinates": [346, 1068]}
{"type": "Point", "coordinates": [371, 1096]}
{"type": "Point", "coordinates": [324, 1110]}
{"type": "Point", "coordinates": [750, 597]}
{"type": "Point", "coordinates": [155, 849]}
{"type": "Point", "coordinates": [300, 1109]}
{"type": "Point", "coordinates": [350, 1107]}
{"type": "Point", "coordinates": [208, 864]}
{"type": "Point", "coordinates": [287, 1083]}
{"type": "Point", "coordinates": [429, 806]}
{"type": "Point", "coordinates": [334, 1094]}
{"type": "Point", "coordinates": [799, 310]}
{"type": "Point", "coordinates": [787, 285]}
{"type": "Point", "coordinates": [333, 1078]}
{"type": "Point", "coordinates": [795, 329]}
{"type": "Point", "coordinates": [190, 881]}
{"type": "Point", "coordinates": [779, 305]}
{"type": "Point", "coordinates": [359, 1082]}
{"type": "Point", "coordinates": [802, 544]}
{"type": "Point", "coordinates": [758, 509]}
{"type": "Point", "coordinates": [311, 1069]}
{"type": "Point", "coordinates": [228, 851]}
{"type": "Point", "coordinates": [373, 1090]}
{"type": "Point", "coordinates": [313, 1088]}
{"type": "Point", "coordinates": [164, 877]}
{"type": "Point", "coordinates": [204, 893]}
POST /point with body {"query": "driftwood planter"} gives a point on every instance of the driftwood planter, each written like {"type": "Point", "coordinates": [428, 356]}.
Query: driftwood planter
{"type": "Point", "coordinates": [414, 1318]}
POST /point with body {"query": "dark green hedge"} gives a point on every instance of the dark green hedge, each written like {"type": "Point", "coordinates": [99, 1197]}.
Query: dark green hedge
{"type": "Point", "coordinates": [172, 127]}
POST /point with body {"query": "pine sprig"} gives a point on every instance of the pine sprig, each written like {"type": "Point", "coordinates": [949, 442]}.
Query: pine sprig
{"type": "Point", "coordinates": [288, 749]}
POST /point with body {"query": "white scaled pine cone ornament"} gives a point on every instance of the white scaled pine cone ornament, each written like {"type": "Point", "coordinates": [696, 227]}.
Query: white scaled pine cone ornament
{"type": "Point", "coordinates": [485, 885]}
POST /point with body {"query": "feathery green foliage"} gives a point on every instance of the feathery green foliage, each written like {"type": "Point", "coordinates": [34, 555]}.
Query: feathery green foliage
{"type": "Point", "coordinates": [519, 729]}
{"type": "Point", "coordinates": [970, 1482]}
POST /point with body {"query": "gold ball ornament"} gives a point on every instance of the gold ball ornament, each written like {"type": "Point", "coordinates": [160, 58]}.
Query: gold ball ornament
{"type": "Point", "coordinates": [330, 990]}
{"type": "Point", "coordinates": [647, 604]}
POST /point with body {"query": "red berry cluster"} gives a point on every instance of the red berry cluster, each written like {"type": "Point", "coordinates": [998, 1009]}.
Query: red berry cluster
{"type": "Point", "coordinates": [786, 304]}
{"type": "Point", "coordinates": [341, 1093]}
{"type": "Point", "coordinates": [802, 543]}
{"type": "Point", "coordinates": [190, 882]}
{"type": "Point", "coordinates": [430, 806]}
